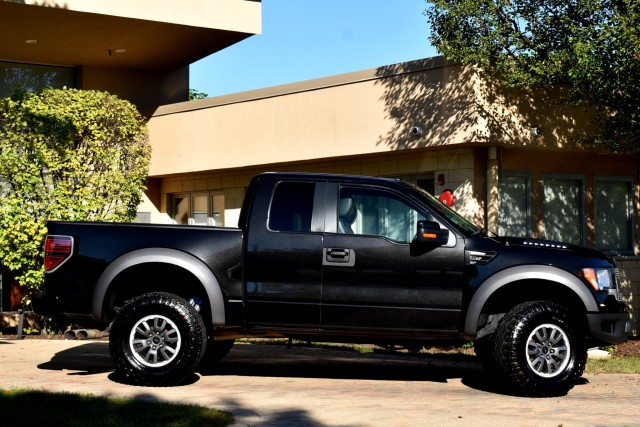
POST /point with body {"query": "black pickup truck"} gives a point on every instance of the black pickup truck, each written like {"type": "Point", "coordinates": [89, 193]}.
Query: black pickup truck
{"type": "Point", "coordinates": [334, 258]}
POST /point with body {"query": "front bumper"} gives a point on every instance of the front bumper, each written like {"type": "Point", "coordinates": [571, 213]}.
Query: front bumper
{"type": "Point", "coordinates": [612, 328]}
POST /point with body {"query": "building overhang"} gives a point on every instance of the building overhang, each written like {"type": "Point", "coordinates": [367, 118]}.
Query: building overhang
{"type": "Point", "coordinates": [144, 34]}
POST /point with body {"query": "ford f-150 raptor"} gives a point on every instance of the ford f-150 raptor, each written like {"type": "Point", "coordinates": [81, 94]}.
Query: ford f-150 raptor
{"type": "Point", "coordinates": [334, 258]}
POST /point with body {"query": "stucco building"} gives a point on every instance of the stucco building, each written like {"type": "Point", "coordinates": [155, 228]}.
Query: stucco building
{"type": "Point", "coordinates": [508, 160]}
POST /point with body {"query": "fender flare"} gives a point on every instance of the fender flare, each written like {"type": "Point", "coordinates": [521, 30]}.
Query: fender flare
{"type": "Point", "coordinates": [167, 256]}
{"type": "Point", "coordinates": [523, 272]}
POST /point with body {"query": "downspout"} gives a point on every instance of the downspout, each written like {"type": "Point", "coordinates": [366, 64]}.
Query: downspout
{"type": "Point", "coordinates": [493, 185]}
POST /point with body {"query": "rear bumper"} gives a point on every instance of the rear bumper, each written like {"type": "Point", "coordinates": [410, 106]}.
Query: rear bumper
{"type": "Point", "coordinates": [46, 305]}
{"type": "Point", "coordinates": [612, 328]}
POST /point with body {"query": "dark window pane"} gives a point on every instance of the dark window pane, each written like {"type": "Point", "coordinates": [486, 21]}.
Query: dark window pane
{"type": "Point", "coordinates": [514, 206]}
{"type": "Point", "coordinates": [292, 207]}
{"type": "Point", "coordinates": [613, 215]}
{"type": "Point", "coordinates": [32, 78]}
{"type": "Point", "coordinates": [562, 210]}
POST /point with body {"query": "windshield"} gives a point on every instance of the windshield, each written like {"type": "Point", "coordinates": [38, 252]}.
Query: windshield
{"type": "Point", "coordinates": [465, 226]}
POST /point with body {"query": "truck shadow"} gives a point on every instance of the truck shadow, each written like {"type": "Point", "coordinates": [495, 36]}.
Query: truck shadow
{"type": "Point", "coordinates": [87, 359]}
{"type": "Point", "coordinates": [263, 360]}
{"type": "Point", "coordinates": [317, 362]}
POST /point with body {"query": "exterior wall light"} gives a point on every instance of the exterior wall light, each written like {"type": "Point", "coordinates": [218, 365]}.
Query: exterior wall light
{"type": "Point", "coordinates": [417, 131]}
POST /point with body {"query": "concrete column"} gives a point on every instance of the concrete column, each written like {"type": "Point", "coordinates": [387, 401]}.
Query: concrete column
{"type": "Point", "coordinates": [493, 181]}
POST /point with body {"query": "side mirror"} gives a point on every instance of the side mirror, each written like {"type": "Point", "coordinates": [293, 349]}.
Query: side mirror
{"type": "Point", "coordinates": [430, 233]}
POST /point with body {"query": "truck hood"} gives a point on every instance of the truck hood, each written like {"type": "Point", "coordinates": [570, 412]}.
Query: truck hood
{"type": "Point", "coordinates": [553, 246]}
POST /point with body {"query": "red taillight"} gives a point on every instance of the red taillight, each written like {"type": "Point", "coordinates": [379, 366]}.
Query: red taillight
{"type": "Point", "coordinates": [57, 249]}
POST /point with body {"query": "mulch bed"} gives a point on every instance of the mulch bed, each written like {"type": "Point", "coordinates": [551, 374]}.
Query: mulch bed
{"type": "Point", "coordinates": [629, 349]}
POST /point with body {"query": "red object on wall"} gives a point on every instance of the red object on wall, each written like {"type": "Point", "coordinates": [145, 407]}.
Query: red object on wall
{"type": "Point", "coordinates": [447, 197]}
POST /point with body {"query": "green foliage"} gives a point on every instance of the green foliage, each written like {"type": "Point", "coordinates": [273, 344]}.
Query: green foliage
{"type": "Point", "coordinates": [30, 331]}
{"type": "Point", "coordinates": [65, 154]}
{"type": "Point", "coordinates": [194, 94]}
{"type": "Point", "coordinates": [591, 47]}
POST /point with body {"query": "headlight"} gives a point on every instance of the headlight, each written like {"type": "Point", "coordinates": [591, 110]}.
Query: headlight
{"type": "Point", "coordinates": [600, 279]}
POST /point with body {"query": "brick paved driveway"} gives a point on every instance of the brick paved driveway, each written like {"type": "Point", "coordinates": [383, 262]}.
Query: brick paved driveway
{"type": "Point", "coordinates": [272, 385]}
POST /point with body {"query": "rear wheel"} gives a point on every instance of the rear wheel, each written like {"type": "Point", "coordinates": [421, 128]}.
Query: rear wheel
{"type": "Point", "coordinates": [157, 339]}
{"type": "Point", "coordinates": [540, 349]}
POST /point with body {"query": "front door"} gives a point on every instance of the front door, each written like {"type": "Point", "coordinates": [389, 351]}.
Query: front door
{"type": "Point", "coordinates": [374, 280]}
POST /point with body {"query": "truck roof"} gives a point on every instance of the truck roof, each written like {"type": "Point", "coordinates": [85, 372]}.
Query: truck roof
{"type": "Point", "coordinates": [332, 177]}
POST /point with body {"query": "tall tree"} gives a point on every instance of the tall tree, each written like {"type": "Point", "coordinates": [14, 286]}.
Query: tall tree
{"type": "Point", "coordinates": [194, 94]}
{"type": "Point", "coordinates": [592, 47]}
{"type": "Point", "coordinates": [65, 154]}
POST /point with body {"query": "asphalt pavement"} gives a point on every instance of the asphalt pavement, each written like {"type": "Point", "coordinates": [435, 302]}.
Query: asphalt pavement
{"type": "Point", "coordinates": [272, 385]}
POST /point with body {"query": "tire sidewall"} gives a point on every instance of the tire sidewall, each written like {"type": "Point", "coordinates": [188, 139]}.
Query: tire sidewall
{"type": "Point", "coordinates": [511, 352]}
{"type": "Point", "coordinates": [189, 325]}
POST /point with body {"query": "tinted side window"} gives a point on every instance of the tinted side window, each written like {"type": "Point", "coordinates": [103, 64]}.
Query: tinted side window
{"type": "Point", "coordinates": [292, 207]}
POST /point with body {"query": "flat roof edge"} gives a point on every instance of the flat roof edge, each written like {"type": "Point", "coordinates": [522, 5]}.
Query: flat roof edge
{"type": "Point", "coordinates": [210, 14]}
{"type": "Point", "coordinates": [307, 85]}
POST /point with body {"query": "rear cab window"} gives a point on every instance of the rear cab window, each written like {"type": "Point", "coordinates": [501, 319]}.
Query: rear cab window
{"type": "Point", "coordinates": [291, 207]}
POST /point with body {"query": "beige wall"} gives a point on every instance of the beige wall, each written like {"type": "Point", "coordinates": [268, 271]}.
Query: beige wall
{"type": "Point", "coordinates": [371, 111]}
{"type": "Point", "coordinates": [234, 15]}
{"type": "Point", "coordinates": [506, 117]}
{"type": "Point", "coordinates": [346, 115]}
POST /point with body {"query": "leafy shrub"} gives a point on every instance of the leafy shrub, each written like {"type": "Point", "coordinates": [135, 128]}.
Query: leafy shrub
{"type": "Point", "coordinates": [65, 154]}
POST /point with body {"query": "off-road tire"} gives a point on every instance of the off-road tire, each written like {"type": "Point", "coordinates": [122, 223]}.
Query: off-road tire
{"type": "Point", "coordinates": [157, 339]}
{"type": "Point", "coordinates": [540, 349]}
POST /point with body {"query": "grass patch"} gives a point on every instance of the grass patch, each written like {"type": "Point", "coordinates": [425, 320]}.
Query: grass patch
{"type": "Point", "coordinates": [614, 365]}
{"type": "Point", "coordinates": [22, 407]}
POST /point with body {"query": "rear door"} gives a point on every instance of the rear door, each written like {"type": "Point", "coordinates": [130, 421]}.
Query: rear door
{"type": "Point", "coordinates": [374, 280]}
{"type": "Point", "coordinates": [283, 255]}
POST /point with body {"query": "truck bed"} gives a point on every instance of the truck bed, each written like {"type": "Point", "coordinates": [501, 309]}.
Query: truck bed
{"type": "Point", "coordinates": [99, 245]}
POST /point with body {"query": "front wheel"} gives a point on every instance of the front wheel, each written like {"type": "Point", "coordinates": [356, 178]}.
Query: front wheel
{"type": "Point", "coordinates": [157, 339]}
{"type": "Point", "coordinates": [539, 349]}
